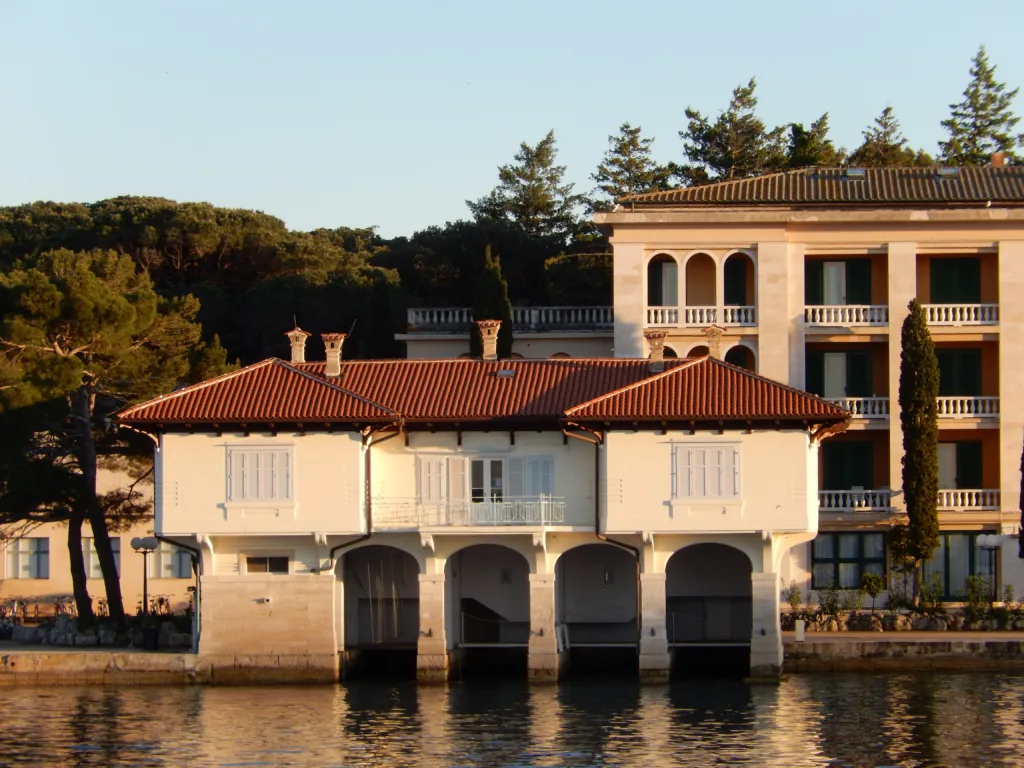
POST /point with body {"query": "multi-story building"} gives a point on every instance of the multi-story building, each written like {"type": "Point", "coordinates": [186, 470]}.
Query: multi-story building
{"type": "Point", "coordinates": [808, 275]}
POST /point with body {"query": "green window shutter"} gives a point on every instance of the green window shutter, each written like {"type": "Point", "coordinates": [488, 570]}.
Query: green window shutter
{"type": "Point", "coordinates": [947, 372]}
{"type": "Point", "coordinates": [970, 372]}
{"type": "Point", "coordinates": [858, 374]}
{"type": "Point", "coordinates": [942, 280]}
{"type": "Point", "coordinates": [833, 466]}
{"type": "Point", "coordinates": [968, 465]}
{"type": "Point", "coordinates": [814, 375]}
{"type": "Point", "coordinates": [814, 279]}
{"type": "Point", "coordinates": [861, 463]}
{"type": "Point", "coordinates": [968, 280]}
{"type": "Point", "coordinates": [736, 282]}
{"type": "Point", "coordinates": [858, 281]}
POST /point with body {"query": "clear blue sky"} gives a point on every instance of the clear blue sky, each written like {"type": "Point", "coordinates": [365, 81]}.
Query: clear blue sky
{"type": "Point", "coordinates": [393, 114]}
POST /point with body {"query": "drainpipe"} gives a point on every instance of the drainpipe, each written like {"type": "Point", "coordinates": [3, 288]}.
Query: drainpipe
{"type": "Point", "coordinates": [597, 440]}
{"type": "Point", "coordinates": [367, 433]}
{"type": "Point", "coordinates": [197, 562]}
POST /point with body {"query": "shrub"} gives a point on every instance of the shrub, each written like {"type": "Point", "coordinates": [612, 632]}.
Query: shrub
{"type": "Point", "coordinates": [852, 599]}
{"type": "Point", "coordinates": [872, 585]}
{"type": "Point", "coordinates": [830, 601]}
{"type": "Point", "coordinates": [931, 594]}
{"type": "Point", "coordinates": [792, 596]}
{"type": "Point", "coordinates": [977, 599]}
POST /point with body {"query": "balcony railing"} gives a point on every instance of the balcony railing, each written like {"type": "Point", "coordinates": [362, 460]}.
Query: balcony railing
{"type": "Point", "coordinates": [399, 514]}
{"type": "Point", "coordinates": [968, 407]}
{"type": "Point", "coordinates": [865, 407]}
{"type": "Point", "coordinates": [699, 316]}
{"type": "Point", "coordinates": [969, 499]}
{"type": "Point", "coordinates": [855, 501]}
{"type": "Point", "coordinates": [459, 319]}
{"type": "Point", "coordinates": [962, 314]}
{"type": "Point", "coordinates": [847, 315]}
{"type": "Point", "coordinates": [663, 316]}
{"type": "Point", "coordinates": [739, 316]}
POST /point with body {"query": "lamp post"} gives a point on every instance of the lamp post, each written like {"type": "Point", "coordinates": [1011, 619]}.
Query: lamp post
{"type": "Point", "coordinates": [991, 542]}
{"type": "Point", "coordinates": [145, 545]}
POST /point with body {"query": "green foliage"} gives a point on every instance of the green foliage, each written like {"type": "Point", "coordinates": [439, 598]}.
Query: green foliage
{"type": "Point", "coordinates": [734, 146]}
{"type": "Point", "coordinates": [792, 595]}
{"type": "Point", "coordinates": [491, 303]}
{"type": "Point", "coordinates": [1009, 598]}
{"type": "Point", "coordinates": [579, 279]}
{"type": "Point", "coordinates": [931, 595]}
{"type": "Point", "coordinates": [872, 585]}
{"type": "Point", "coordinates": [627, 169]}
{"type": "Point", "coordinates": [918, 392]}
{"type": "Point", "coordinates": [977, 597]}
{"type": "Point", "coordinates": [884, 146]}
{"type": "Point", "coordinates": [983, 122]}
{"type": "Point", "coordinates": [852, 599]}
{"type": "Point", "coordinates": [830, 601]}
{"type": "Point", "coordinates": [812, 146]}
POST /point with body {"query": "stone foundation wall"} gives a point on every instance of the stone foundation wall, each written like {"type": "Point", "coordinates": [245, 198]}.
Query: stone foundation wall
{"type": "Point", "coordinates": [879, 655]}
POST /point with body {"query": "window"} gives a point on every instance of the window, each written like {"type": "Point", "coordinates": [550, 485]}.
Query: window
{"type": "Point", "coordinates": [28, 559]}
{"type": "Point", "coordinates": [839, 374]}
{"type": "Point", "coordinates": [837, 282]}
{"type": "Point", "coordinates": [170, 562]}
{"type": "Point", "coordinates": [959, 372]}
{"type": "Point", "coordinates": [957, 557]}
{"type": "Point", "coordinates": [841, 559]}
{"type": "Point", "coordinates": [266, 565]}
{"type": "Point", "coordinates": [489, 479]}
{"type": "Point", "coordinates": [960, 465]}
{"type": "Point", "coordinates": [956, 280]}
{"type": "Point", "coordinates": [705, 471]}
{"type": "Point", "coordinates": [259, 474]}
{"type": "Point", "coordinates": [92, 558]}
{"type": "Point", "coordinates": [846, 465]}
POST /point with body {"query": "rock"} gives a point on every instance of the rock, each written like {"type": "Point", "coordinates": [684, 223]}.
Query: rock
{"type": "Point", "coordinates": [832, 625]}
{"type": "Point", "coordinates": [937, 624]}
{"type": "Point", "coordinates": [85, 641]}
{"type": "Point", "coordinates": [22, 634]}
{"type": "Point", "coordinates": [107, 636]}
{"type": "Point", "coordinates": [179, 640]}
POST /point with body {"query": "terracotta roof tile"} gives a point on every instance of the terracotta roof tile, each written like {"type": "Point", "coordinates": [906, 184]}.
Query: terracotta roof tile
{"type": "Point", "coordinates": [833, 186]}
{"type": "Point", "coordinates": [706, 389]}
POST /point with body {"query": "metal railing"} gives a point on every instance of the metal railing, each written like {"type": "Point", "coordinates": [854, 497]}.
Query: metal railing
{"type": "Point", "coordinates": [967, 407]}
{"type": "Point", "coordinates": [411, 513]}
{"type": "Point", "coordinates": [865, 407]}
{"type": "Point", "coordinates": [879, 500]}
{"type": "Point", "coordinates": [962, 314]}
{"type": "Point", "coordinates": [973, 498]}
{"type": "Point", "coordinates": [455, 319]}
{"type": "Point", "coordinates": [739, 316]}
{"type": "Point", "coordinates": [846, 315]}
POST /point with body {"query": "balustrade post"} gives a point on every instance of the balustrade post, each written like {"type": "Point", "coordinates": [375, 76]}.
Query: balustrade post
{"type": "Point", "coordinates": [655, 659]}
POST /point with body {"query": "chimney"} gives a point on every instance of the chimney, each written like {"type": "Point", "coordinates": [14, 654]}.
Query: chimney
{"type": "Point", "coordinates": [656, 341]}
{"type": "Point", "coordinates": [332, 343]}
{"type": "Point", "coordinates": [298, 337]}
{"type": "Point", "coordinates": [998, 159]}
{"type": "Point", "coordinates": [489, 337]}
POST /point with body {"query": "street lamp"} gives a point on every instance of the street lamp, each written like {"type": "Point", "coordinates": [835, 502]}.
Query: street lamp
{"type": "Point", "coordinates": [991, 543]}
{"type": "Point", "coordinates": [145, 545]}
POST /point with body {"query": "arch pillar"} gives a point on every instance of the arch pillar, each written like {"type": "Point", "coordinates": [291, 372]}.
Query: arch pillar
{"type": "Point", "coordinates": [546, 657]}
{"type": "Point", "coordinates": [431, 645]}
{"type": "Point", "coordinates": [766, 633]}
{"type": "Point", "coordinates": [654, 659]}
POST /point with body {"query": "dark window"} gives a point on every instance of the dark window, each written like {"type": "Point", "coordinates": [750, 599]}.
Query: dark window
{"type": "Point", "coordinates": [858, 281]}
{"type": "Point", "coordinates": [266, 565]}
{"type": "Point", "coordinates": [957, 557]}
{"type": "Point", "coordinates": [814, 279]}
{"type": "Point", "coordinates": [736, 281]}
{"type": "Point", "coordinates": [959, 372]}
{"type": "Point", "coordinates": [859, 380]}
{"type": "Point", "coordinates": [841, 559]}
{"type": "Point", "coordinates": [956, 281]}
{"type": "Point", "coordinates": [968, 465]}
{"type": "Point", "coordinates": [847, 465]}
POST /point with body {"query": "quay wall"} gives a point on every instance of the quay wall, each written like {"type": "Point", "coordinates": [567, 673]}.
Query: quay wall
{"type": "Point", "coordinates": [859, 655]}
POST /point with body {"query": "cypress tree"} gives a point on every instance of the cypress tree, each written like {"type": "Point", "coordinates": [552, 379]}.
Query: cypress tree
{"type": "Point", "coordinates": [919, 390]}
{"type": "Point", "coordinates": [982, 123]}
{"type": "Point", "coordinates": [492, 303]}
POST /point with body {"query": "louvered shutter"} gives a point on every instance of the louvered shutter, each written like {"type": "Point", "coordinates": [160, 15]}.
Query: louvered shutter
{"type": "Point", "coordinates": [516, 488]}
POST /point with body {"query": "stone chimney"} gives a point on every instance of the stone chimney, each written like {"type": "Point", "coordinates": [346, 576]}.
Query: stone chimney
{"type": "Point", "coordinates": [298, 337]}
{"type": "Point", "coordinates": [489, 337]}
{"type": "Point", "coordinates": [714, 337]}
{"type": "Point", "coordinates": [998, 159]}
{"type": "Point", "coordinates": [333, 343]}
{"type": "Point", "coordinates": [656, 341]}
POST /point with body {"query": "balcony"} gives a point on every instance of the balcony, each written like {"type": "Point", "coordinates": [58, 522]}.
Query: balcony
{"type": "Point", "coordinates": [962, 314]}
{"type": "Point", "coordinates": [701, 317]}
{"type": "Point", "coordinates": [865, 407]}
{"type": "Point", "coordinates": [542, 511]}
{"type": "Point", "coordinates": [524, 319]}
{"type": "Point", "coordinates": [855, 500]}
{"type": "Point", "coordinates": [969, 499]}
{"type": "Point", "coordinates": [968, 407]}
{"type": "Point", "coordinates": [846, 315]}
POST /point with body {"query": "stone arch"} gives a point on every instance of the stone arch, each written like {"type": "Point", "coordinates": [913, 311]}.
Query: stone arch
{"type": "Point", "coordinates": [699, 350]}
{"type": "Point", "coordinates": [487, 595]}
{"type": "Point", "coordinates": [662, 281]}
{"type": "Point", "coordinates": [708, 594]}
{"type": "Point", "coordinates": [596, 594]}
{"type": "Point", "coordinates": [669, 353]}
{"type": "Point", "coordinates": [701, 280]}
{"type": "Point", "coordinates": [739, 279]}
{"type": "Point", "coordinates": [561, 356]}
{"type": "Point", "coordinates": [382, 595]}
{"type": "Point", "coordinates": [742, 356]}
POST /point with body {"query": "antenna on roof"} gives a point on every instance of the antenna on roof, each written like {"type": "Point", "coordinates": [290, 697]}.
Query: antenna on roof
{"type": "Point", "coordinates": [352, 328]}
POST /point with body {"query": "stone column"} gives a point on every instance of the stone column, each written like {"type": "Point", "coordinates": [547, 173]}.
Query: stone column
{"type": "Point", "coordinates": [765, 635]}
{"type": "Point", "coordinates": [630, 298]}
{"type": "Point", "coordinates": [545, 660]}
{"type": "Point", "coordinates": [773, 311]}
{"type": "Point", "coordinates": [432, 648]}
{"type": "Point", "coordinates": [1011, 380]}
{"type": "Point", "coordinates": [902, 288]}
{"type": "Point", "coordinates": [655, 660]}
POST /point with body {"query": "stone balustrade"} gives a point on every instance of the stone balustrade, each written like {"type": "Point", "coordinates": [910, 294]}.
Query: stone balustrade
{"type": "Point", "coordinates": [879, 500]}
{"type": "Point", "coordinates": [962, 314]}
{"type": "Point", "coordinates": [968, 407]}
{"type": "Point", "coordinates": [865, 407]}
{"type": "Point", "coordinates": [969, 499]}
{"type": "Point", "coordinates": [460, 319]}
{"type": "Point", "coordinates": [846, 315]}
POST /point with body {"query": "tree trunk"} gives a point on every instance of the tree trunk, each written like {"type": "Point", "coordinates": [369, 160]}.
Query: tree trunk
{"type": "Point", "coordinates": [916, 585]}
{"type": "Point", "coordinates": [81, 412]}
{"type": "Point", "coordinates": [83, 603]}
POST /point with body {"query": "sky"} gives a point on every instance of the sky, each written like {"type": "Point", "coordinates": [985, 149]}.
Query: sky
{"type": "Point", "coordinates": [331, 113]}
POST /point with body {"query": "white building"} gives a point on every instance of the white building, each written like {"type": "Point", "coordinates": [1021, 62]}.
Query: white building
{"type": "Point", "coordinates": [441, 506]}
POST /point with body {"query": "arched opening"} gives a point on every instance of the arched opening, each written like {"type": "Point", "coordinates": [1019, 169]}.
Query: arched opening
{"type": "Point", "coordinates": [381, 610]}
{"type": "Point", "coordinates": [487, 608]}
{"type": "Point", "coordinates": [516, 356]}
{"type": "Point", "coordinates": [596, 606]}
{"type": "Point", "coordinates": [741, 356]}
{"type": "Point", "coordinates": [700, 281]}
{"type": "Point", "coordinates": [708, 606]}
{"type": "Point", "coordinates": [701, 350]}
{"type": "Point", "coordinates": [561, 356]}
{"type": "Point", "coordinates": [669, 353]}
{"type": "Point", "coordinates": [740, 280]}
{"type": "Point", "coordinates": [662, 281]}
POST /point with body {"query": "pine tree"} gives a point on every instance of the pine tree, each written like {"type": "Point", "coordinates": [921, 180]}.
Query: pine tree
{"type": "Point", "coordinates": [492, 303]}
{"type": "Point", "coordinates": [919, 391]}
{"type": "Point", "coordinates": [735, 146]}
{"type": "Point", "coordinates": [812, 146]}
{"type": "Point", "coordinates": [983, 122]}
{"type": "Point", "coordinates": [885, 147]}
{"type": "Point", "coordinates": [627, 169]}
{"type": "Point", "coordinates": [533, 194]}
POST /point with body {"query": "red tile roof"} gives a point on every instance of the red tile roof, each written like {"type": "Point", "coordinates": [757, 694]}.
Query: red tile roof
{"type": "Point", "coordinates": [267, 392]}
{"type": "Point", "coordinates": [706, 389]}
{"type": "Point", "coordinates": [474, 392]}
{"type": "Point", "coordinates": [977, 185]}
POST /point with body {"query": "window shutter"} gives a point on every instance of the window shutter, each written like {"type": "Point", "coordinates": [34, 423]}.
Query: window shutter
{"type": "Point", "coordinates": [430, 473]}
{"type": "Point", "coordinates": [236, 489]}
{"type": "Point", "coordinates": [457, 479]}
{"type": "Point", "coordinates": [813, 281]}
{"type": "Point", "coordinates": [517, 484]}
{"type": "Point", "coordinates": [858, 281]}
{"type": "Point", "coordinates": [674, 471]}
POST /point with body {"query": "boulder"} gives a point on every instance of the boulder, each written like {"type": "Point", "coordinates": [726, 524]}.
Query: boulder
{"type": "Point", "coordinates": [86, 641]}
{"type": "Point", "coordinates": [20, 634]}
{"type": "Point", "coordinates": [107, 637]}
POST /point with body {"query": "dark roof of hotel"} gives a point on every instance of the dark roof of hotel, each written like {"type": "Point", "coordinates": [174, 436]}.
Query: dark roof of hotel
{"type": "Point", "coordinates": [970, 185]}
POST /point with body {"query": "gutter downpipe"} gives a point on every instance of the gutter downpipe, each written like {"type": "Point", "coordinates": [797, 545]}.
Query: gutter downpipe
{"type": "Point", "coordinates": [597, 441]}
{"type": "Point", "coordinates": [367, 433]}
{"type": "Point", "coordinates": [197, 564]}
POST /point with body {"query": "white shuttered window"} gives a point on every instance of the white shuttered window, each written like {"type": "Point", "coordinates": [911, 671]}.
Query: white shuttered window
{"type": "Point", "coordinates": [705, 471]}
{"type": "Point", "coordinates": [259, 474]}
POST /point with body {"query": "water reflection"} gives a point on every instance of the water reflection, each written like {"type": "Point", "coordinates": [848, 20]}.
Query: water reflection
{"type": "Point", "coordinates": [870, 720]}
